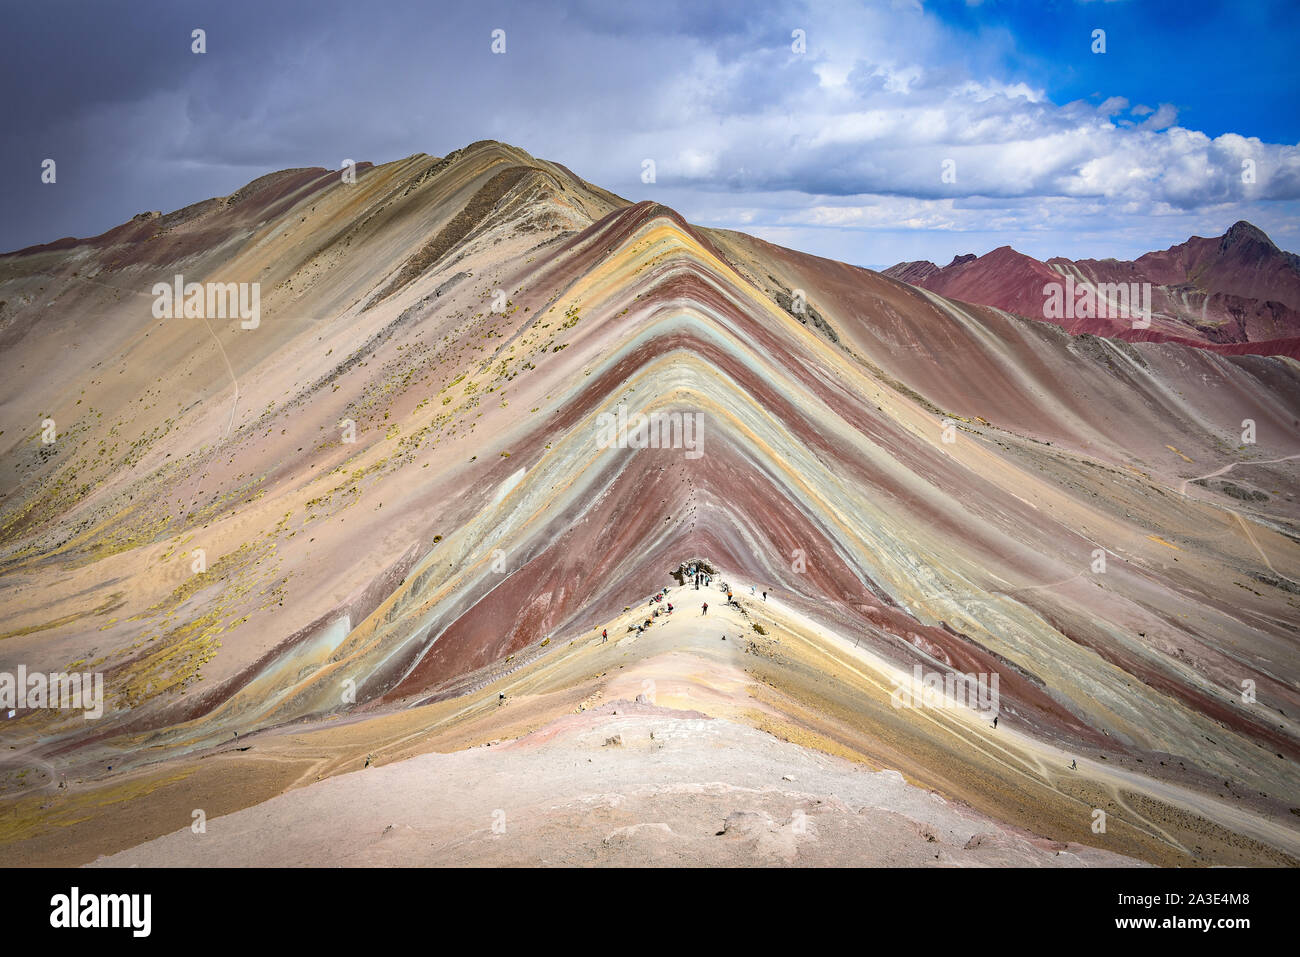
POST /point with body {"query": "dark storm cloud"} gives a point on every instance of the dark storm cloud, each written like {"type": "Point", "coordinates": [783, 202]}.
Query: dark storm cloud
{"type": "Point", "coordinates": [135, 120]}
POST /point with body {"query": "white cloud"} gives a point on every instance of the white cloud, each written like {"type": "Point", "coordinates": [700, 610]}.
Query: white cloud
{"type": "Point", "coordinates": [855, 135]}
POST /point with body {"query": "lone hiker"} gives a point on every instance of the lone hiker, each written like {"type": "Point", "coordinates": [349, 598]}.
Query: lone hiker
{"type": "Point", "coordinates": [764, 596]}
{"type": "Point", "coordinates": [604, 635]}
{"type": "Point", "coordinates": [1074, 765]}
{"type": "Point", "coordinates": [995, 721]}
{"type": "Point", "coordinates": [706, 609]}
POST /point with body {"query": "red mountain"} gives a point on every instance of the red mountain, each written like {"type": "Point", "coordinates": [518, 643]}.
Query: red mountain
{"type": "Point", "coordinates": [1237, 293]}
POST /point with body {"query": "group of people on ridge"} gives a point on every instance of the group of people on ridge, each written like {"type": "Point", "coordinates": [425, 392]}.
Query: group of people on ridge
{"type": "Point", "coordinates": [698, 577]}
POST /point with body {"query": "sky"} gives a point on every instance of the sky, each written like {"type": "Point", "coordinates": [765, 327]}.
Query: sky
{"type": "Point", "coordinates": [871, 132]}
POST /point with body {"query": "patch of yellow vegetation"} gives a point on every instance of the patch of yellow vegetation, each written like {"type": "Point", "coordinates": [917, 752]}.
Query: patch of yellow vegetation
{"type": "Point", "coordinates": [112, 603]}
{"type": "Point", "coordinates": [789, 731]}
{"type": "Point", "coordinates": [28, 816]}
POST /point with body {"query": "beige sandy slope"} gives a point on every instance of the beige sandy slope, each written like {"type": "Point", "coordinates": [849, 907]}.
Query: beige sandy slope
{"type": "Point", "coordinates": [674, 790]}
{"type": "Point", "coordinates": [668, 779]}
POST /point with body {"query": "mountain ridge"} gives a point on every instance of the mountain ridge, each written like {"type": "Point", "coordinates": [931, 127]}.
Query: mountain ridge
{"type": "Point", "coordinates": [395, 480]}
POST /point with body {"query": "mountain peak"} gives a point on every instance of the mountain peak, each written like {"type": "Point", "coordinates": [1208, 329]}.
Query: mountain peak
{"type": "Point", "coordinates": [1242, 232]}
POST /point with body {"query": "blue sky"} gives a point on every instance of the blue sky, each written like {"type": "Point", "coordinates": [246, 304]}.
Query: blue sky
{"type": "Point", "coordinates": [839, 148]}
{"type": "Point", "coordinates": [1227, 67]}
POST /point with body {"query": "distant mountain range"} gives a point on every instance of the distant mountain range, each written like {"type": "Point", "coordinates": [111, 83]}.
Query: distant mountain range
{"type": "Point", "coordinates": [1237, 293]}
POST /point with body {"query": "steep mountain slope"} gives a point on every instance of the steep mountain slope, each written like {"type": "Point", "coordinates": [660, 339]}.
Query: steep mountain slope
{"type": "Point", "coordinates": [398, 485]}
{"type": "Point", "coordinates": [1237, 294]}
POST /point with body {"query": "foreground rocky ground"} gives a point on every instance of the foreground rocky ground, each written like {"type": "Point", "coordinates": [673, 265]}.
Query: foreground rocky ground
{"type": "Point", "coordinates": [698, 741]}
{"type": "Point", "coordinates": [625, 783]}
